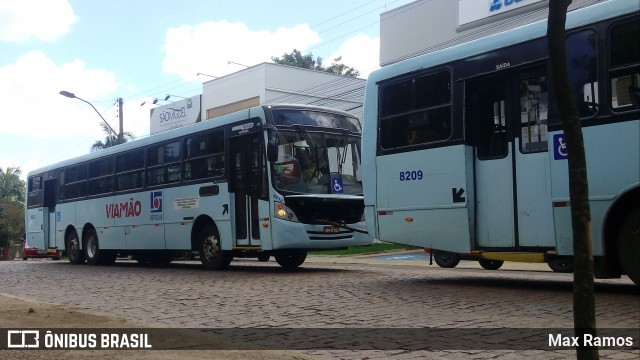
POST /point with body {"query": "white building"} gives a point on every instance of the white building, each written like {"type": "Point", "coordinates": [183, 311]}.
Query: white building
{"type": "Point", "coordinates": [261, 84]}
{"type": "Point", "coordinates": [424, 26]}
{"type": "Point", "coordinates": [269, 83]}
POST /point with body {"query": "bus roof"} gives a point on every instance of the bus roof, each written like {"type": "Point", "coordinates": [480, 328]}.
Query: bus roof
{"type": "Point", "coordinates": [579, 17]}
{"type": "Point", "coordinates": [183, 131]}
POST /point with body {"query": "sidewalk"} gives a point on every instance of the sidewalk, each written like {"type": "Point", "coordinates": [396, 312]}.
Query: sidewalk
{"type": "Point", "coordinates": [417, 258]}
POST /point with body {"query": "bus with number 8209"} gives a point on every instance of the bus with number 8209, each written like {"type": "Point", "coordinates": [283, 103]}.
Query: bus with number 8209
{"type": "Point", "coordinates": [464, 153]}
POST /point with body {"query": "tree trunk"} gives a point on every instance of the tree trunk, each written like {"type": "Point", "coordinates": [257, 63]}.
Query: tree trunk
{"type": "Point", "coordinates": [584, 315]}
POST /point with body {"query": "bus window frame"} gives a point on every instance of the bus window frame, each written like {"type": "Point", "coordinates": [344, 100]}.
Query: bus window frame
{"type": "Point", "coordinates": [216, 154]}
{"type": "Point", "coordinates": [611, 72]}
{"type": "Point", "coordinates": [164, 165]}
{"type": "Point", "coordinates": [129, 172]}
{"type": "Point", "coordinates": [100, 179]}
{"type": "Point", "coordinates": [449, 105]}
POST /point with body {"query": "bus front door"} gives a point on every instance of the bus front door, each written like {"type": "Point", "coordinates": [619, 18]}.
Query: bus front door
{"type": "Point", "coordinates": [511, 165]}
{"type": "Point", "coordinates": [247, 186]}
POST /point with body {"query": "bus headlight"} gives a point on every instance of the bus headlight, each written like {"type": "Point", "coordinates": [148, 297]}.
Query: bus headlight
{"type": "Point", "coordinates": [284, 213]}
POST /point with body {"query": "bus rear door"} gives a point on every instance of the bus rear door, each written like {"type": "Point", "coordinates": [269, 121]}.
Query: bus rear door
{"type": "Point", "coordinates": [511, 165]}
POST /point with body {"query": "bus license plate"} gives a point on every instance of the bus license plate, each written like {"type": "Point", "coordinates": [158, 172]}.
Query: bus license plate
{"type": "Point", "coordinates": [331, 230]}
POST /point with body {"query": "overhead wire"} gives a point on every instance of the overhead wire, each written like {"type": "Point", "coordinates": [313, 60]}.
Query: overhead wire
{"type": "Point", "coordinates": [167, 88]}
{"type": "Point", "coordinates": [154, 90]}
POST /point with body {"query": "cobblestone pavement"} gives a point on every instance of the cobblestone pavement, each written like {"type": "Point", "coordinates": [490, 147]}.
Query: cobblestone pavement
{"type": "Point", "coordinates": [359, 292]}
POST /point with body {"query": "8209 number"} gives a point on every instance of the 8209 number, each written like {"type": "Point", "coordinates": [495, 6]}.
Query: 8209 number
{"type": "Point", "coordinates": [411, 175]}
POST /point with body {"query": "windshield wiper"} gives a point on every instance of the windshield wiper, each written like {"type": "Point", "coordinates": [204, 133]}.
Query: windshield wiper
{"type": "Point", "coordinates": [309, 142]}
{"type": "Point", "coordinates": [343, 157]}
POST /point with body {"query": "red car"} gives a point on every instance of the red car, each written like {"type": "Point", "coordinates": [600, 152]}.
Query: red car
{"type": "Point", "coordinates": [33, 252]}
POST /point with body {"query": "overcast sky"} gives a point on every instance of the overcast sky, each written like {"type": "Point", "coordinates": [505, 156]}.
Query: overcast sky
{"type": "Point", "coordinates": [141, 50]}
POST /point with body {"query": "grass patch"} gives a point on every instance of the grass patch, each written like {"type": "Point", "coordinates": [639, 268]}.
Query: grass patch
{"type": "Point", "coordinates": [367, 249]}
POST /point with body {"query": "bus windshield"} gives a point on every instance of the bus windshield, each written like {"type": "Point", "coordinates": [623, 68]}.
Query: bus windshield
{"type": "Point", "coordinates": [312, 162]}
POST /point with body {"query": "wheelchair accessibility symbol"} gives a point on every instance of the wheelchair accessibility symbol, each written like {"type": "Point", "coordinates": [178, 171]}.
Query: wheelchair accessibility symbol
{"type": "Point", "coordinates": [559, 147]}
{"type": "Point", "coordinates": [336, 186]}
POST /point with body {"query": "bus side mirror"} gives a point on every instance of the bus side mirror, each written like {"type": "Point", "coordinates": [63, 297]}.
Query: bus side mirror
{"type": "Point", "coordinates": [272, 146]}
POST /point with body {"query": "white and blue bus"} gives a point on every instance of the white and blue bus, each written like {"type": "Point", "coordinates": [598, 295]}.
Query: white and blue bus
{"type": "Point", "coordinates": [464, 153]}
{"type": "Point", "coordinates": [273, 180]}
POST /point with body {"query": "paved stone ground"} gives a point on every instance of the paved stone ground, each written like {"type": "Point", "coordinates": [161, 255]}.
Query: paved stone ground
{"type": "Point", "coordinates": [359, 292]}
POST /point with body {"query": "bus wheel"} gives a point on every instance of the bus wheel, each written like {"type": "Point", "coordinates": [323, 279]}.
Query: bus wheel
{"type": "Point", "coordinates": [629, 245]}
{"type": "Point", "coordinates": [561, 264]}
{"type": "Point", "coordinates": [263, 257]}
{"type": "Point", "coordinates": [291, 259]}
{"type": "Point", "coordinates": [72, 246]}
{"type": "Point", "coordinates": [92, 251]}
{"type": "Point", "coordinates": [489, 264]}
{"type": "Point", "coordinates": [211, 254]}
{"type": "Point", "coordinates": [446, 259]}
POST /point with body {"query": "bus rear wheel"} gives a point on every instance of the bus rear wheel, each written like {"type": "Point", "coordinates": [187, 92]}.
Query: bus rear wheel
{"type": "Point", "coordinates": [211, 254]}
{"type": "Point", "coordinates": [561, 264]}
{"type": "Point", "coordinates": [629, 245]}
{"type": "Point", "coordinates": [72, 248]}
{"type": "Point", "coordinates": [93, 253]}
{"type": "Point", "coordinates": [446, 259]}
{"type": "Point", "coordinates": [489, 264]}
{"type": "Point", "coordinates": [291, 259]}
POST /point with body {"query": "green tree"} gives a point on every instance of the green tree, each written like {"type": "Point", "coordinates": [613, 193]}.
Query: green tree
{"type": "Point", "coordinates": [11, 186]}
{"type": "Point", "coordinates": [109, 140]}
{"type": "Point", "coordinates": [295, 58]}
{"type": "Point", "coordinates": [11, 222]}
{"type": "Point", "coordinates": [584, 311]}
{"type": "Point", "coordinates": [12, 195]}
{"type": "Point", "coordinates": [339, 68]}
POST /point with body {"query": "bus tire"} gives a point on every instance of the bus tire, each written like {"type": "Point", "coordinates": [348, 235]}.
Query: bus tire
{"type": "Point", "coordinates": [561, 264]}
{"type": "Point", "coordinates": [73, 250]}
{"type": "Point", "coordinates": [629, 245]}
{"type": "Point", "coordinates": [93, 253]}
{"type": "Point", "coordinates": [211, 254]}
{"type": "Point", "coordinates": [489, 264]}
{"type": "Point", "coordinates": [446, 259]}
{"type": "Point", "coordinates": [263, 257]}
{"type": "Point", "coordinates": [291, 259]}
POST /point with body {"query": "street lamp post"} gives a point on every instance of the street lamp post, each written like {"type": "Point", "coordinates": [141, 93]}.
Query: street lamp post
{"type": "Point", "coordinates": [233, 62]}
{"type": "Point", "coordinates": [73, 96]}
{"type": "Point", "coordinates": [215, 77]}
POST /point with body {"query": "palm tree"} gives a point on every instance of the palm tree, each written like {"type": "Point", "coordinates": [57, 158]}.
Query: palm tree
{"type": "Point", "coordinates": [11, 186]}
{"type": "Point", "coordinates": [110, 140]}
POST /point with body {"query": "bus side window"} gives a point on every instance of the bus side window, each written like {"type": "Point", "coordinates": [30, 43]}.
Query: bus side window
{"type": "Point", "coordinates": [76, 182]}
{"type": "Point", "coordinates": [34, 195]}
{"type": "Point", "coordinates": [163, 164]}
{"type": "Point", "coordinates": [583, 71]}
{"type": "Point", "coordinates": [130, 170]}
{"type": "Point", "coordinates": [204, 156]}
{"type": "Point", "coordinates": [625, 65]}
{"type": "Point", "coordinates": [416, 110]}
{"type": "Point", "coordinates": [533, 114]}
{"type": "Point", "coordinates": [100, 176]}
{"type": "Point", "coordinates": [492, 134]}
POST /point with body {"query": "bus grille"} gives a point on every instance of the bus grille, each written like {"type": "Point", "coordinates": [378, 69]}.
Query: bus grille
{"type": "Point", "coordinates": [344, 234]}
{"type": "Point", "coordinates": [318, 211]}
